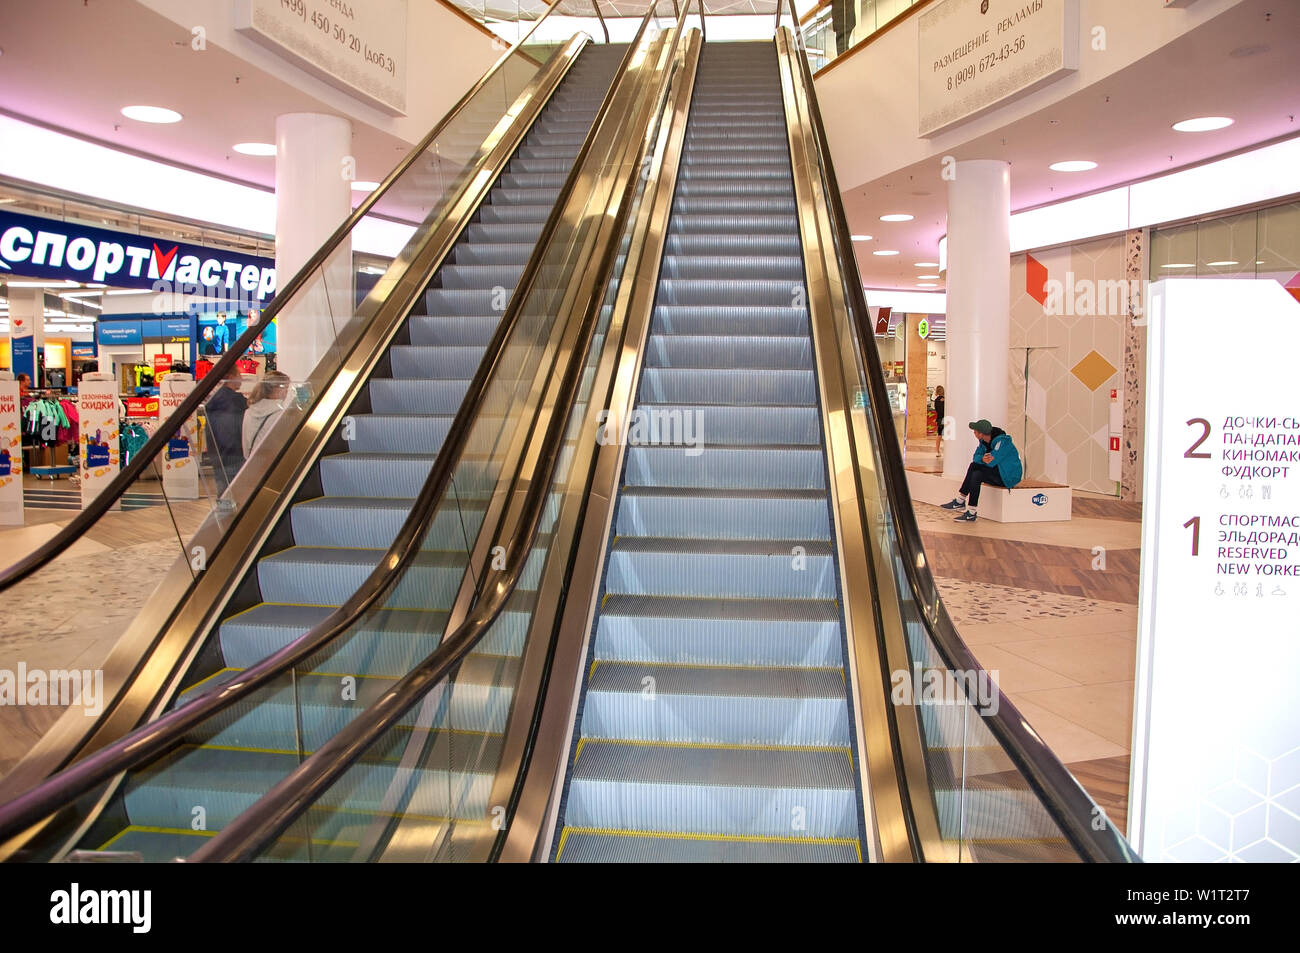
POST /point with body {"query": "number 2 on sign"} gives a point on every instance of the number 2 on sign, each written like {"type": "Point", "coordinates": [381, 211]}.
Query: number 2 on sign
{"type": "Point", "coordinates": [1195, 524]}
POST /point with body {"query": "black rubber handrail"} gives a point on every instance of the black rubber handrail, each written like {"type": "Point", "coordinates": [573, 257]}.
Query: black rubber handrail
{"type": "Point", "coordinates": [144, 458]}
{"type": "Point", "coordinates": [1065, 800]}
{"type": "Point", "coordinates": [257, 827]}
{"type": "Point", "coordinates": [150, 740]}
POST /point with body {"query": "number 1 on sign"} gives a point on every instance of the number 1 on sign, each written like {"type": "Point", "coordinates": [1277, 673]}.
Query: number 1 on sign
{"type": "Point", "coordinates": [1195, 524]}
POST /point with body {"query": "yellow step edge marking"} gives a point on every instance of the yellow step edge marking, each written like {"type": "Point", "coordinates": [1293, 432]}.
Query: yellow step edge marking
{"type": "Point", "coordinates": [738, 838]}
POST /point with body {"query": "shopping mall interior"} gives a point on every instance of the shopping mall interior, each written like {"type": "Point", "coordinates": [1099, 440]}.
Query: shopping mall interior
{"type": "Point", "coordinates": [596, 431]}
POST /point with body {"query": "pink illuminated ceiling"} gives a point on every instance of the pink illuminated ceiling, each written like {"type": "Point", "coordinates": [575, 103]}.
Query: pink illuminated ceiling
{"type": "Point", "coordinates": [73, 64]}
{"type": "Point", "coordinates": [1242, 64]}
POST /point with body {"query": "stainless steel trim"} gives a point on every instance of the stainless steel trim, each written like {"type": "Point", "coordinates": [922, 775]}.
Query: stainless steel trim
{"type": "Point", "coordinates": [595, 5]}
{"type": "Point", "coordinates": [882, 787]}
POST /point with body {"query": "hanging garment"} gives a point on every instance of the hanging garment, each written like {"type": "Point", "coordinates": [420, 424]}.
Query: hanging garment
{"type": "Point", "coordinates": [68, 434]}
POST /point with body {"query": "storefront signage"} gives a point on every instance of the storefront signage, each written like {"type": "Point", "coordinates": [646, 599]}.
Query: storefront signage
{"type": "Point", "coordinates": [119, 332]}
{"type": "Point", "coordinates": [47, 248]}
{"type": "Point", "coordinates": [356, 45]}
{"type": "Point", "coordinates": [923, 329]}
{"type": "Point", "coordinates": [98, 436]}
{"type": "Point", "coordinates": [83, 350]}
{"type": "Point", "coordinates": [11, 456]}
{"type": "Point", "coordinates": [1216, 718]}
{"type": "Point", "coordinates": [976, 54]}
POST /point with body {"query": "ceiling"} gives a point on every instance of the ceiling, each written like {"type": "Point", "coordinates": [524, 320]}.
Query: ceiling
{"type": "Point", "coordinates": [73, 64]}
{"type": "Point", "coordinates": [1242, 64]}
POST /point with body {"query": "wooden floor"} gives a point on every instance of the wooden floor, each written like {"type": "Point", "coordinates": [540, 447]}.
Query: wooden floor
{"type": "Point", "coordinates": [1063, 569]}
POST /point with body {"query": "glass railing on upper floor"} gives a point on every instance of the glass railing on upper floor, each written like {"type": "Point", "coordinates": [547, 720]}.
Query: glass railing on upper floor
{"type": "Point", "coordinates": [264, 397]}
{"type": "Point", "coordinates": [832, 28]}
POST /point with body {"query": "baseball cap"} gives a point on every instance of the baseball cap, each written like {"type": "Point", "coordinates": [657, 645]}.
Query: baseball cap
{"type": "Point", "coordinates": [981, 426]}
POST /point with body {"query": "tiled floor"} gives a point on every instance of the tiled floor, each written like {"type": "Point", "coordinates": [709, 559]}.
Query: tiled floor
{"type": "Point", "coordinates": [69, 614]}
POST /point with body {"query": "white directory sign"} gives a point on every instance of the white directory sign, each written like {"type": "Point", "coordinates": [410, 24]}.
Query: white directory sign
{"type": "Point", "coordinates": [976, 54]}
{"type": "Point", "coordinates": [1215, 768]}
{"type": "Point", "coordinates": [356, 45]}
{"type": "Point", "coordinates": [98, 435]}
{"type": "Point", "coordinates": [181, 458]}
{"type": "Point", "coordinates": [11, 455]}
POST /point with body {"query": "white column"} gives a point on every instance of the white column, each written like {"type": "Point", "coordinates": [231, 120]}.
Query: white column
{"type": "Point", "coordinates": [979, 303]}
{"type": "Point", "coordinates": [27, 323]}
{"type": "Point", "coordinates": [312, 198]}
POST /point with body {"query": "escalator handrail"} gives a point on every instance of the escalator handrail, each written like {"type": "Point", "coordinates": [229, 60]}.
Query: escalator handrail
{"type": "Point", "coordinates": [258, 826]}
{"type": "Point", "coordinates": [1061, 794]}
{"type": "Point", "coordinates": [144, 458]}
{"type": "Point", "coordinates": [145, 743]}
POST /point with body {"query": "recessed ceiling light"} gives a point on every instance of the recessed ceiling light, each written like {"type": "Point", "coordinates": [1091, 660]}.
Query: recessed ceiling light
{"type": "Point", "coordinates": [360, 186]}
{"type": "Point", "coordinates": [1204, 124]}
{"type": "Point", "coordinates": [1259, 262]}
{"type": "Point", "coordinates": [254, 148]}
{"type": "Point", "coordinates": [43, 284]}
{"type": "Point", "coordinates": [928, 277]}
{"type": "Point", "coordinates": [158, 114]}
{"type": "Point", "coordinates": [1179, 264]}
{"type": "Point", "coordinates": [896, 217]}
{"type": "Point", "coordinates": [1073, 165]}
{"type": "Point", "coordinates": [927, 284]}
{"type": "Point", "coordinates": [884, 253]}
{"type": "Point", "coordinates": [926, 264]}
{"type": "Point", "coordinates": [862, 238]}
{"type": "Point", "coordinates": [1222, 264]}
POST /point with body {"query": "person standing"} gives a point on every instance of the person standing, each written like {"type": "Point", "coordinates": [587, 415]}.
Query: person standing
{"type": "Point", "coordinates": [265, 405]}
{"type": "Point", "coordinates": [939, 407]}
{"type": "Point", "coordinates": [996, 462]}
{"type": "Point", "coordinates": [225, 413]}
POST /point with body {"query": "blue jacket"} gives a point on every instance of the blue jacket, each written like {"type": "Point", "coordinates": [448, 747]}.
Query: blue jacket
{"type": "Point", "coordinates": [1005, 457]}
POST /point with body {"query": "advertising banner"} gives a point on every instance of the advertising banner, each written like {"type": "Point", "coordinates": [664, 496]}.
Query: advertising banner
{"type": "Point", "coordinates": [181, 459]}
{"type": "Point", "coordinates": [1216, 717]}
{"type": "Point", "coordinates": [162, 363]}
{"type": "Point", "coordinates": [142, 406]}
{"type": "Point", "coordinates": [974, 55]}
{"type": "Point", "coordinates": [98, 425]}
{"type": "Point", "coordinates": [22, 348]}
{"type": "Point", "coordinates": [357, 45]}
{"type": "Point", "coordinates": [11, 456]}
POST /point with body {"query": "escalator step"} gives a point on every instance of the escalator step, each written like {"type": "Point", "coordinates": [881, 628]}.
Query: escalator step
{"type": "Point", "coordinates": [640, 628]}
{"type": "Point", "coordinates": [732, 705]}
{"type": "Point", "coordinates": [700, 789]}
{"type": "Point", "coordinates": [605, 847]}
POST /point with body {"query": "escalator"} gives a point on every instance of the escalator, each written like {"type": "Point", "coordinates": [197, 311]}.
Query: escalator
{"type": "Point", "coordinates": [353, 505]}
{"type": "Point", "coordinates": [675, 645]}
{"type": "Point", "coordinates": [721, 586]}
